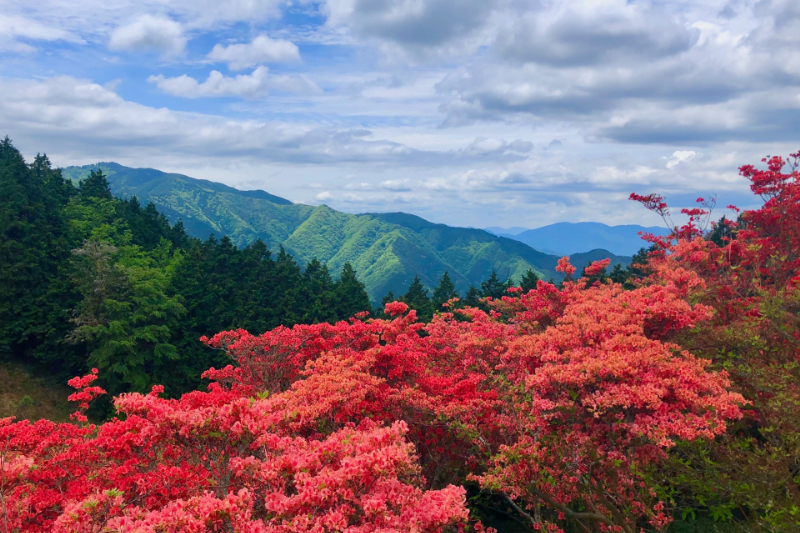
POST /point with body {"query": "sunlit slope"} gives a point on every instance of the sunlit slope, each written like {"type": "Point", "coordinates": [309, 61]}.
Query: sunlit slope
{"type": "Point", "coordinates": [386, 249]}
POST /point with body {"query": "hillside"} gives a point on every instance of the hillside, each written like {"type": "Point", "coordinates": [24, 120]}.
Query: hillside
{"type": "Point", "coordinates": [387, 250]}
{"type": "Point", "coordinates": [584, 259]}
{"type": "Point", "coordinates": [28, 392]}
{"type": "Point", "coordinates": [567, 238]}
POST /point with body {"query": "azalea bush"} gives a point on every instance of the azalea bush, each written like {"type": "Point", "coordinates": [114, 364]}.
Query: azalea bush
{"type": "Point", "coordinates": [577, 407]}
{"type": "Point", "coordinates": [748, 270]}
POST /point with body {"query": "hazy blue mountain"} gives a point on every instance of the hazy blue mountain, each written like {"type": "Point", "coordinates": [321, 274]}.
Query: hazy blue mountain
{"type": "Point", "coordinates": [505, 231]}
{"type": "Point", "coordinates": [387, 250]}
{"type": "Point", "coordinates": [567, 238]}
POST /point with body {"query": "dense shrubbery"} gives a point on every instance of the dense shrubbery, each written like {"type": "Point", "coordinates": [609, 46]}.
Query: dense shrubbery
{"type": "Point", "coordinates": [580, 407]}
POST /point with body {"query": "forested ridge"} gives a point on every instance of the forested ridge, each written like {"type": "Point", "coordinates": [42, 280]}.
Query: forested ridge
{"type": "Point", "coordinates": [92, 280]}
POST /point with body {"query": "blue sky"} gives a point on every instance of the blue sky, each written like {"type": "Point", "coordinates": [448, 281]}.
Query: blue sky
{"type": "Point", "coordinates": [467, 112]}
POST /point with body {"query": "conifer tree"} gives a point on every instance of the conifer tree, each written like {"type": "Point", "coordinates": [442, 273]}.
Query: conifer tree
{"type": "Point", "coordinates": [444, 292]}
{"type": "Point", "coordinates": [473, 297]}
{"type": "Point", "coordinates": [34, 250]}
{"type": "Point", "coordinates": [350, 294]}
{"type": "Point", "coordinates": [618, 274]}
{"type": "Point", "coordinates": [416, 297]}
{"type": "Point", "coordinates": [495, 288]}
{"type": "Point", "coordinates": [318, 296]}
{"type": "Point", "coordinates": [529, 280]}
{"type": "Point", "coordinates": [95, 186]}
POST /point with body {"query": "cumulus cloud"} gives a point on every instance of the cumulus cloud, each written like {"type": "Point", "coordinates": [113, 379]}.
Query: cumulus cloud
{"type": "Point", "coordinates": [78, 114]}
{"type": "Point", "coordinates": [620, 83]}
{"type": "Point", "coordinates": [680, 156]}
{"type": "Point", "coordinates": [413, 25]}
{"type": "Point", "coordinates": [250, 85]}
{"type": "Point", "coordinates": [149, 33]}
{"type": "Point", "coordinates": [583, 32]}
{"type": "Point", "coordinates": [260, 50]}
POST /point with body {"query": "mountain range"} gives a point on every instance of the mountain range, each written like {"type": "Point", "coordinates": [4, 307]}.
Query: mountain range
{"type": "Point", "coordinates": [568, 238]}
{"type": "Point", "coordinates": [386, 249]}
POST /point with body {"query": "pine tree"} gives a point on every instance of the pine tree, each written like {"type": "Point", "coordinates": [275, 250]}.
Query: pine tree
{"type": "Point", "coordinates": [473, 297]}
{"type": "Point", "coordinates": [35, 296]}
{"type": "Point", "coordinates": [95, 186]}
{"type": "Point", "coordinates": [416, 297]}
{"type": "Point", "coordinates": [495, 288]}
{"type": "Point", "coordinates": [317, 294]}
{"type": "Point", "coordinates": [350, 294]}
{"type": "Point", "coordinates": [444, 292]}
{"type": "Point", "coordinates": [529, 280]}
{"type": "Point", "coordinates": [618, 275]}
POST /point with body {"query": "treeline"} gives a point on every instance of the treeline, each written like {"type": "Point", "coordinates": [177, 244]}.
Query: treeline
{"type": "Point", "coordinates": [89, 280]}
{"type": "Point", "coordinates": [417, 297]}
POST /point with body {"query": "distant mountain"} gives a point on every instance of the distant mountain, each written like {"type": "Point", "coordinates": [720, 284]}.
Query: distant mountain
{"type": "Point", "coordinates": [566, 238]}
{"type": "Point", "coordinates": [505, 231]}
{"type": "Point", "coordinates": [387, 249]}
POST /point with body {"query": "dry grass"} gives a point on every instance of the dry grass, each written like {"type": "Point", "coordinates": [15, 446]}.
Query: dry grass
{"type": "Point", "coordinates": [29, 396]}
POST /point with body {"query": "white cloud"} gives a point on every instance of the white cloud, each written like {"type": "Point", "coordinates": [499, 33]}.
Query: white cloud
{"type": "Point", "coordinates": [260, 50]}
{"type": "Point", "coordinates": [255, 85]}
{"type": "Point", "coordinates": [620, 83]}
{"type": "Point", "coordinates": [324, 196]}
{"type": "Point", "coordinates": [149, 33]}
{"type": "Point", "coordinates": [14, 27]}
{"type": "Point", "coordinates": [396, 185]}
{"type": "Point", "coordinates": [250, 85]}
{"type": "Point", "coordinates": [680, 156]}
{"type": "Point", "coordinates": [298, 84]}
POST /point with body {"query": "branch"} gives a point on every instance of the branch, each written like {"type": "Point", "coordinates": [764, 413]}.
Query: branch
{"type": "Point", "coordinates": [576, 515]}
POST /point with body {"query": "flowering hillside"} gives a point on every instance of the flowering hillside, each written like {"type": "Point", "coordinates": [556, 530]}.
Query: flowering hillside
{"type": "Point", "coordinates": [587, 406]}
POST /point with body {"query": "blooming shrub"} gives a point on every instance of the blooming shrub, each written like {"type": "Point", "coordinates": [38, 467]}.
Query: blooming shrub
{"type": "Point", "coordinates": [747, 272]}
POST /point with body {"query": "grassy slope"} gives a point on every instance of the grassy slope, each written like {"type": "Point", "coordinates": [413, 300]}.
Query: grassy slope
{"type": "Point", "coordinates": [28, 393]}
{"type": "Point", "coordinates": [387, 250]}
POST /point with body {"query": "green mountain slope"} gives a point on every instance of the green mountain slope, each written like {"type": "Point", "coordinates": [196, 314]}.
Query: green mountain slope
{"type": "Point", "coordinates": [387, 249]}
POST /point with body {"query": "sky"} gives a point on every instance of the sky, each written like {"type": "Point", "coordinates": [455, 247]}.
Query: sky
{"type": "Point", "coordinates": [466, 112]}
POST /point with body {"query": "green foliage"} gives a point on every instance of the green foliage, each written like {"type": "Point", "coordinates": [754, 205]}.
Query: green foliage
{"type": "Point", "coordinates": [350, 294]}
{"type": "Point", "coordinates": [126, 315]}
{"type": "Point", "coordinates": [34, 250]}
{"type": "Point", "coordinates": [87, 280]}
